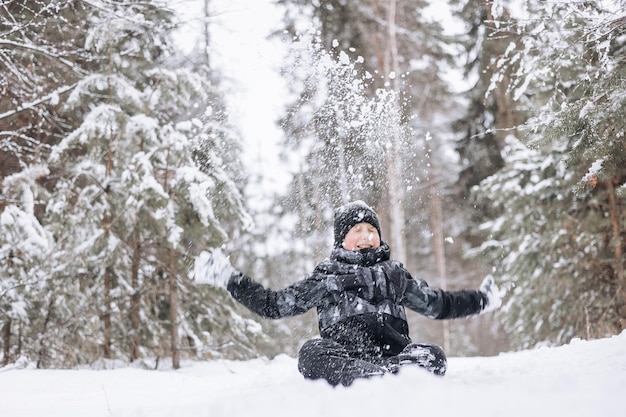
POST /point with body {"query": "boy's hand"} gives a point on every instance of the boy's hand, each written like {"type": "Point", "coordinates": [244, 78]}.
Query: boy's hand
{"type": "Point", "coordinates": [213, 268]}
{"type": "Point", "coordinates": [493, 295]}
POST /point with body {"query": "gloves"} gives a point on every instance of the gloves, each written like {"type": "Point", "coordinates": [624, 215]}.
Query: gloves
{"type": "Point", "coordinates": [492, 295]}
{"type": "Point", "coordinates": [213, 268]}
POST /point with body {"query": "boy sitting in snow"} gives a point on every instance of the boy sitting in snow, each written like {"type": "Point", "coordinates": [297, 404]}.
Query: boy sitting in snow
{"type": "Point", "coordinates": [360, 296]}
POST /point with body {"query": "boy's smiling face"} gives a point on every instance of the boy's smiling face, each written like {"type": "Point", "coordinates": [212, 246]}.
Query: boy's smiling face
{"type": "Point", "coordinates": [361, 236]}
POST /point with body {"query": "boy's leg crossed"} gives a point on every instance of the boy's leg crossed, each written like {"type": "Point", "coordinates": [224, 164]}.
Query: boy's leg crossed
{"type": "Point", "coordinates": [327, 359]}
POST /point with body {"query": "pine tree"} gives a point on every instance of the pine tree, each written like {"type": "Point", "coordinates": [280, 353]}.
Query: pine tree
{"type": "Point", "coordinates": [558, 235]}
{"type": "Point", "coordinates": [141, 181]}
{"type": "Point", "coordinates": [154, 201]}
{"type": "Point", "coordinates": [41, 59]}
{"type": "Point", "coordinates": [492, 113]}
{"type": "Point", "coordinates": [25, 248]}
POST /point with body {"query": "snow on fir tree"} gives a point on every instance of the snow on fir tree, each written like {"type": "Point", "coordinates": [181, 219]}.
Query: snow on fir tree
{"type": "Point", "coordinates": [25, 247]}
{"type": "Point", "coordinates": [556, 228]}
{"type": "Point", "coordinates": [140, 187]}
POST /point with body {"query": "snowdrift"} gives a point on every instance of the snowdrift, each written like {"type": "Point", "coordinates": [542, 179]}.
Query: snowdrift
{"type": "Point", "coordinates": [583, 378]}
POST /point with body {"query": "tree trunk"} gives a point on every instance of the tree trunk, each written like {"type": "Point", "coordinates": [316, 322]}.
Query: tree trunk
{"type": "Point", "coordinates": [19, 339]}
{"type": "Point", "coordinates": [207, 34]}
{"type": "Point", "coordinates": [108, 273]}
{"type": "Point", "coordinates": [135, 300]}
{"type": "Point", "coordinates": [396, 200]}
{"type": "Point", "coordinates": [343, 169]}
{"type": "Point", "coordinates": [394, 155]}
{"type": "Point", "coordinates": [174, 339]}
{"type": "Point", "coordinates": [6, 342]}
{"type": "Point", "coordinates": [43, 345]}
{"type": "Point", "coordinates": [106, 315]}
{"type": "Point", "coordinates": [618, 251]}
{"type": "Point", "coordinates": [436, 225]}
{"type": "Point", "coordinates": [506, 119]}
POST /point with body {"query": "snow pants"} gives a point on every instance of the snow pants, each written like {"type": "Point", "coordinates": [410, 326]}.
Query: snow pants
{"type": "Point", "coordinates": [334, 362]}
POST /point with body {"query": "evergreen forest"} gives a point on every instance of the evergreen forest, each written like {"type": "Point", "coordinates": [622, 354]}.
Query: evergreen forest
{"type": "Point", "coordinates": [487, 134]}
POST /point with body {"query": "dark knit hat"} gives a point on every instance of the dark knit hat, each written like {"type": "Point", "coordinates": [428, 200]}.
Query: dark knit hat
{"type": "Point", "coordinates": [350, 214]}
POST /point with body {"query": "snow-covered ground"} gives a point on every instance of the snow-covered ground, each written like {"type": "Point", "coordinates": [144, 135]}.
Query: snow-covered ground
{"type": "Point", "coordinates": [584, 378]}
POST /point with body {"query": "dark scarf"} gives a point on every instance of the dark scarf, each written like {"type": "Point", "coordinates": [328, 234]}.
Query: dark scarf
{"type": "Point", "coordinates": [342, 261]}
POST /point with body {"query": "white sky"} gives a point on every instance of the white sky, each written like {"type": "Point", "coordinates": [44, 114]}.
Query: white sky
{"type": "Point", "coordinates": [249, 63]}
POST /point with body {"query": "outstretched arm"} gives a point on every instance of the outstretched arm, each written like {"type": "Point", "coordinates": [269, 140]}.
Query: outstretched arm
{"type": "Point", "coordinates": [440, 304]}
{"type": "Point", "coordinates": [296, 299]}
{"type": "Point", "coordinates": [215, 269]}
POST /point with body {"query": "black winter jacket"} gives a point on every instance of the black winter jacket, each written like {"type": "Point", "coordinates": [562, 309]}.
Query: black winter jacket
{"type": "Point", "coordinates": [360, 299]}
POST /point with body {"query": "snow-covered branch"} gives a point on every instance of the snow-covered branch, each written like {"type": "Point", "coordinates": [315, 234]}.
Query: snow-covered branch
{"type": "Point", "coordinates": [43, 51]}
{"type": "Point", "coordinates": [48, 97]}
